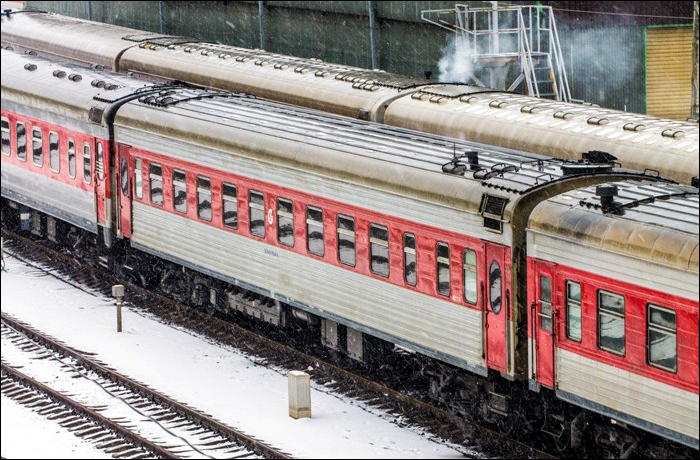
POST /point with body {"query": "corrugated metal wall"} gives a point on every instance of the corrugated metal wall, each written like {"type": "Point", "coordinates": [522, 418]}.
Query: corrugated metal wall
{"type": "Point", "coordinates": [669, 68]}
{"type": "Point", "coordinates": [606, 64]}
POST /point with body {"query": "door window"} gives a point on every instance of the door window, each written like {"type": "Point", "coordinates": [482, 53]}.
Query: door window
{"type": "Point", "coordinates": [495, 287]}
{"type": "Point", "coordinates": [546, 303]}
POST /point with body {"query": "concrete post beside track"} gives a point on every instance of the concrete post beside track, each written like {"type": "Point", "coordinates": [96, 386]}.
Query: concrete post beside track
{"type": "Point", "coordinates": [299, 394]}
{"type": "Point", "coordinates": [118, 294]}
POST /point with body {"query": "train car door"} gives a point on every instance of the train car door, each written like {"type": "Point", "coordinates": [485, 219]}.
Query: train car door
{"type": "Point", "coordinates": [544, 327]}
{"type": "Point", "coordinates": [495, 307]}
{"type": "Point", "coordinates": [100, 182]}
{"type": "Point", "coordinates": [124, 191]}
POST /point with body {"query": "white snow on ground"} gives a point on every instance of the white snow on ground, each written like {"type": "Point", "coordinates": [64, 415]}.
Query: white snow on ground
{"type": "Point", "coordinates": [216, 379]}
{"type": "Point", "coordinates": [26, 434]}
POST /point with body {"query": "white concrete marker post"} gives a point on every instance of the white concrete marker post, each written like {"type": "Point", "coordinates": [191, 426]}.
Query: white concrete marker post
{"type": "Point", "coordinates": [118, 294]}
{"type": "Point", "coordinates": [299, 394]}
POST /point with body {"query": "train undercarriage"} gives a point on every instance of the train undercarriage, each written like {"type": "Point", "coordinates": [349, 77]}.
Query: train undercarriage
{"type": "Point", "coordinates": [509, 407]}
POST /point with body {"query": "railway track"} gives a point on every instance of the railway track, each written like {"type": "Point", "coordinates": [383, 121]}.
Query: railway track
{"type": "Point", "coordinates": [93, 396]}
{"type": "Point", "coordinates": [475, 440]}
{"type": "Point", "coordinates": [82, 421]}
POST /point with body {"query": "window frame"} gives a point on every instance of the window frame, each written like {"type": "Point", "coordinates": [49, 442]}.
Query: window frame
{"type": "Point", "coordinates": [100, 161]}
{"type": "Point", "coordinates": [41, 148]}
{"type": "Point", "coordinates": [57, 156]}
{"type": "Point", "coordinates": [577, 303]}
{"type": "Point", "coordinates": [286, 215]}
{"type": "Point", "coordinates": [152, 165]}
{"type": "Point", "coordinates": [608, 312]}
{"type": "Point", "coordinates": [260, 207]}
{"type": "Point", "coordinates": [444, 261]}
{"type": "Point", "coordinates": [226, 198]}
{"type": "Point", "coordinates": [347, 233]}
{"type": "Point", "coordinates": [24, 138]}
{"type": "Point", "coordinates": [181, 184]}
{"type": "Point", "coordinates": [7, 130]}
{"type": "Point", "coordinates": [382, 243]}
{"type": "Point", "coordinates": [138, 178]}
{"type": "Point", "coordinates": [474, 269]}
{"type": "Point", "coordinates": [663, 330]}
{"type": "Point", "coordinates": [315, 223]}
{"type": "Point", "coordinates": [72, 174]}
{"type": "Point", "coordinates": [549, 316]}
{"type": "Point", "coordinates": [412, 251]}
{"type": "Point", "coordinates": [87, 178]}
{"type": "Point", "coordinates": [204, 190]}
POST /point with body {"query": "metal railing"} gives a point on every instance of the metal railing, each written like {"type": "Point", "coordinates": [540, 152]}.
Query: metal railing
{"type": "Point", "coordinates": [525, 36]}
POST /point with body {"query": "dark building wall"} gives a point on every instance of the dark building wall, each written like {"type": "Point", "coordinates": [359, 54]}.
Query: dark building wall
{"type": "Point", "coordinates": [604, 54]}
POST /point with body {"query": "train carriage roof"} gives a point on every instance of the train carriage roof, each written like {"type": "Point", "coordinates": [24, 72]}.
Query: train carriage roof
{"type": "Point", "coordinates": [395, 159]}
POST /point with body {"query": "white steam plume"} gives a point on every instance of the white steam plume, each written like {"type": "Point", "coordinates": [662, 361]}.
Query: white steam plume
{"type": "Point", "coordinates": [455, 64]}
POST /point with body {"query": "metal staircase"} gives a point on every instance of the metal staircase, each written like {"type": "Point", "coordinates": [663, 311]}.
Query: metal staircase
{"type": "Point", "coordinates": [694, 104]}
{"type": "Point", "coordinates": [516, 44]}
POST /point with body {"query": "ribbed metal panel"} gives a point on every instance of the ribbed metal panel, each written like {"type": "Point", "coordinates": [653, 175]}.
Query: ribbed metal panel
{"type": "Point", "coordinates": [571, 253]}
{"type": "Point", "coordinates": [669, 66]}
{"type": "Point", "coordinates": [443, 329]}
{"type": "Point", "coordinates": [55, 198]}
{"type": "Point", "coordinates": [631, 394]}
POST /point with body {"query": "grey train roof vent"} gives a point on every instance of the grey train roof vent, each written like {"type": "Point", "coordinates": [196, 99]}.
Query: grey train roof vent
{"type": "Point", "coordinates": [458, 168]}
{"type": "Point", "coordinates": [599, 157]}
{"type": "Point", "coordinates": [473, 159]}
{"type": "Point", "coordinates": [59, 73]}
{"type": "Point", "coordinates": [492, 209]}
{"type": "Point", "coordinates": [75, 77]}
{"type": "Point", "coordinates": [30, 67]}
{"type": "Point", "coordinates": [95, 115]}
{"type": "Point", "coordinates": [607, 194]}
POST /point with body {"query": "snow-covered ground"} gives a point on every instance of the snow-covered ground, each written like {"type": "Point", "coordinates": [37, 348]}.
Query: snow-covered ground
{"type": "Point", "coordinates": [216, 379]}
{"type": "Point", "coordinates": [26, 434]}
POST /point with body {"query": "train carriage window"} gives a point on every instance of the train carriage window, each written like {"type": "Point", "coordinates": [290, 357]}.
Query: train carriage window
{"type": "Point", "coordinates": [5, 136]}
{"type": "Point", "coordinates": [611, 322]}
{"type": "Point", "coordinates": [124, 176]}
{"type": "Point", "coordinates": [138, 178]}
{"type": "Point", "coordinates": [346, 240]}
{"type": "Point", "coordinates": [71, 157]}
{"type": "Point", "coordinates": [180, 191]}
{"type": "Point", "coordinates": [546, 303]}
{"type": "Point", "coordinates": [37, 147]}
{"type": "Point", "coordinates": [256, 203]}
{"type": "Point", "coordinates": [230, 206]}
{"type": "Point", "coordinates": [495, 287]}
{"type": "Point", "coordinates": [99, 163]}
{"type": "Point", "coordinates": [314, 231]}
{"type": "Point", "coordinates": [443, 268]}
{"type": "Point", "coordinates": [285, 222]}
{"type": "Point", "coordinates": [662, 351]}
{"type": "Point", "coordinates": [409, 259]}
{"type": "Point", "coordinates": [203, 198]}
{"type": "Point", "coordinates": [87, 164]}
{"type": "Point", "coordinates": [54, 160]}
{"type": "Point", "coordinates": [573, 311]}
{"type": "Point", "coordinates": [470, 283]}
{"type": "Point", "coordinates": [379, 250]}
{"type": "Point", "coordinates": [155, 173]}
{"type": "Point", "coordinates": [21, 134]}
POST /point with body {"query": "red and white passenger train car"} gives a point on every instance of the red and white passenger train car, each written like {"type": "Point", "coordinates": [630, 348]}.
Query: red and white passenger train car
{"type": "Point", "coordinates": [503, 264]}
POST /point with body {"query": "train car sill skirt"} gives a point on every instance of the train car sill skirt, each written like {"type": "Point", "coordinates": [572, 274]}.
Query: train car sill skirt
{"type": "Point", "coordinates": [90, 226]}
{"type": "Point", "coordinates": [473, 368]}
{"type": "Point", "coordinates": [631, 420]}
